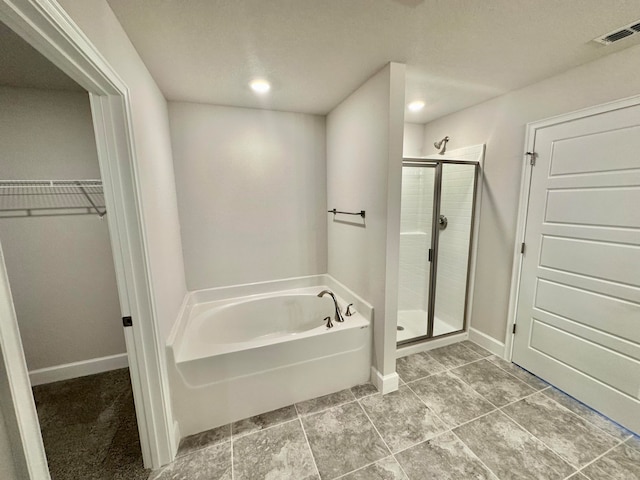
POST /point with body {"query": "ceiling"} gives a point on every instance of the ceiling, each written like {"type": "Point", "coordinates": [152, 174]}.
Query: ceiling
{"type": "Point", "coordinates": [23, 66]}
{"type": "Point", "coordinates": [315, 52]}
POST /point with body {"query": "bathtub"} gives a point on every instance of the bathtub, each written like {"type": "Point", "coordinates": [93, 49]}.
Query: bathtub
{"type": "Point", "coordinates": [241, 351]}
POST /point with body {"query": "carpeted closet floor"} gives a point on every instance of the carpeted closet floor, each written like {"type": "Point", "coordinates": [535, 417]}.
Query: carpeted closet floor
{"type": "Point", "coordinates": [89, 428]}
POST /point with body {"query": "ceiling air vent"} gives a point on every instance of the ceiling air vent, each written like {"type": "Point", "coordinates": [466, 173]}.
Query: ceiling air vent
{"type": "Point", "coordinates": [619, 34]}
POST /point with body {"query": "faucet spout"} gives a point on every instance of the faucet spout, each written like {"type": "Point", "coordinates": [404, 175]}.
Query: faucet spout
{"type": "Point", "coordinates": [335, 304]}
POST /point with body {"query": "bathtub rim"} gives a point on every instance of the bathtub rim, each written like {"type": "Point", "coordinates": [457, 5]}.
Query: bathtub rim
{"type": "Point", "coordinates": [228, 293]}
{"type": "Point", "coordinates": [183, 354]}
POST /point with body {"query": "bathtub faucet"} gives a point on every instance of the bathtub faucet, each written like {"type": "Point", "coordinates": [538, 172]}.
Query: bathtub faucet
{"type": "Point", "coordinates": [335, 304]}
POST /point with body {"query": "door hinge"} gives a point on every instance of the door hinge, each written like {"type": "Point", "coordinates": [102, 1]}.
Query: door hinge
{"type": "Point", "coordinates": [430, 255]}
{"type": "Point", "coordinates": [127, 321]}
{"type": "Point", "coordinates": [532, 157]}
{"type": "Point", "coordinates": [514, 329]}
{"type": "Point", "coordinates": [522, 248]}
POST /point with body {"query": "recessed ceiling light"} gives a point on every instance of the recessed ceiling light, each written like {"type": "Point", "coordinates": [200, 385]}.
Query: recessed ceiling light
{"type": "Point", "coordinates": [260, 86]}
{"type": "Point", "coordinates": [416, 106]}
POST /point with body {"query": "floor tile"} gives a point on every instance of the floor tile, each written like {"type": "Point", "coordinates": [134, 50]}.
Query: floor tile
{"type": "Point", "coordinates": [577, 476]}
{"type": "Point", "coordinates": [442, 458]}
{"type": "Point", "coordinates": [363, 390]}
{"type": "Point", "coordinates": [279, 452]}
{"type": "Point", "coordinates": [401, 418]}
{"type": "Point", "coordinates": [211, 463]}
{"type": "Point", "coordinates": [520, 373]}
{"type": "Point", "coordinates": [204, 439]}
{"type": "Point", "coordinates": [418, 365]}
{"type": "Point", "coordinates": [483, 352]}
{"type": "Point", "coordinates": [385, 469]}
{"type": "Point", "coordinates": [570, 436]}
{"type": "Point", "coordinates": [451, 399]}
{"type": "Point", "coordinates": [343, 439]}
{"type": "Point", "coordinates": [621, 463]}
{"type": "Point", "coordinates": [492, 382]}
{"type": "Point", "coordinates": [509, 451]}
{"type": "Point", "coordinates": [589, 415]}
{"type": "Point", "coordinates": [260, 422]}
{"type": "Point", "coordinates": [327, 401]}
{"type": "Point", "coordinates": [454, 355]}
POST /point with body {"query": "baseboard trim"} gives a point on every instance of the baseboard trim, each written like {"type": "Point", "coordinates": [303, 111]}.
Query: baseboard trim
{"type": "Point", "coordinates": [385, 383]}
{"type": "Point", "coordinates": [485, 341]}
{"type": "Point", "coordinates": [78, 369]}
{"type": "Point", "coordinates": [177, 436]}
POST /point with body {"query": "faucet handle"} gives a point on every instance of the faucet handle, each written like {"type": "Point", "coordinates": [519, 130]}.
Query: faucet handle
{"type": "Point", "coordinates": [348, 313]}
{"type": "Point", "coordinates": [329, 322]}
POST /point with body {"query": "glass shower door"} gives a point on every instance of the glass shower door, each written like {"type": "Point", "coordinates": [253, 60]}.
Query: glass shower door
{"type": "Point", "coordinates": [456, 210]}
{"type": "Point", "coordinates": [416, 227]}
{"type": "Point", "coordinates": [436, 225]}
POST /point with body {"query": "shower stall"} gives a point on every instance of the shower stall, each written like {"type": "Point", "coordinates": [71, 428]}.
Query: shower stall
{"type": "Point", "coordinates": [437, 216]}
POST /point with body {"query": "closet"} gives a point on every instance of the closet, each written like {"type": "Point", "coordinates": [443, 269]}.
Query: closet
{"type": "Point", "coordinates": [59, 261]}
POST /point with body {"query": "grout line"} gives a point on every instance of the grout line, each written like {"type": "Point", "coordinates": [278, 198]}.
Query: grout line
{"type": "Point", "coordinates": [520, 399]}
{"type": "Point", "coordinates": [238, 437]}
{"type": "Point", "coordinates": [361, 468]}
{"type": "Point", "coordinates": [233, 476]}
{"type": "Point", "coordinates": [476, 456]}
{"type": "Point", "coordinates": [374, 427]}
{"type": "Point", "coordinates": [445, 369]}
{"type": "Point", "coordinates": [304, 432]}
{"type": "Point", "coordinates": [583, 417]}
{"type": "Point", "coordinates": [507, 371]}
{"type": "Point", "coordinates": [401, 467]}
{"type": "Point", "coordinates": [596, 459]}
{"type": "Point", "coordinates": [427, 406]}
{"type": "Point", "coordinates": [354, 399]}
{"type": "Point", "coordinates": [474, 419]}
{"type": "Point", "coordinates": [472, 350]}
{"type": "Point", "coordinates": [535, 437]}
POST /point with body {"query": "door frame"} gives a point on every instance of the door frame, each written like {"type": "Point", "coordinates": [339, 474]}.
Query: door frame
{"type": "Point", "coordinates": [50, 30]}
{"type": "Point", "coordinates": [523, 205]}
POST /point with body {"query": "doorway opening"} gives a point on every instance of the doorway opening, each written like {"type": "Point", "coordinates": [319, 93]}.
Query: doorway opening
{"type": "Point", "coordinates": [58, 256]}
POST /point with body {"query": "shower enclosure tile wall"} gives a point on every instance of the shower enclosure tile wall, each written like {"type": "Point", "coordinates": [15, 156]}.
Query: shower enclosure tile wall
{"type": "Point", "coordinates": [415, 237]}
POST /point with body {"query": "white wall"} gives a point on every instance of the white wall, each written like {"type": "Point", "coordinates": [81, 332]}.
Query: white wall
{"type": "Point", "coordinates": [252, 193]}
{"type": "Point", "coordinates": [413, 140]}
{"type": "Point", "coordinates": [500, 123]}
{"type": "Point", "coordinates": [150, 123]}
{"type": "Point", "coordinates": [364, 167]}
{"type": "Point", "coordinates": [60, 267]}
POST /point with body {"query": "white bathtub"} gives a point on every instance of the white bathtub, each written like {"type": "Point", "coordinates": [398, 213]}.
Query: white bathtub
{"type": "Point", "coordinates": [241, 351]}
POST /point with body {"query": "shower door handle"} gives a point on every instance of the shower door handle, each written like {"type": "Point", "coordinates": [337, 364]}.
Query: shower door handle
{"type": "Point", "coordinates": [430, 254]}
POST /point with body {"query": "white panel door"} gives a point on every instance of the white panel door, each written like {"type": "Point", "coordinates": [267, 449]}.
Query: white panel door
{"type": "Point", "coordinates": [578, 312]}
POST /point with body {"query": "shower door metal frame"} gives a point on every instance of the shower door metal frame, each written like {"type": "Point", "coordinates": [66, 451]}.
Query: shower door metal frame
{"type": "Point", "coordinates": [435, 240]}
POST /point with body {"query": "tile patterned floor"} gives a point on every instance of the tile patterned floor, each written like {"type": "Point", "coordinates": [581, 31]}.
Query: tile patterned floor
{"type": "Point", "coordinates": [460, 413]}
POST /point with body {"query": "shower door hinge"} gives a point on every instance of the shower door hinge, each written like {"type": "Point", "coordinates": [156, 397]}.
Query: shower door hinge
{"type": "Point", "coordinates": [532, 157]}
{"type": "Point", "coordinates": [430, 255]}
{"type": "Point", "coordinates": [522, 248]}
{"type": "Point", "coordinates": [127, 321]}
{"type": "Point", "coordinates": [514, 329]}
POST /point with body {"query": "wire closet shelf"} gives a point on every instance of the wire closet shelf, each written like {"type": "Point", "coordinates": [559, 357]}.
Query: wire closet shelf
{"type": "Point", "coordinates": [33, 198]}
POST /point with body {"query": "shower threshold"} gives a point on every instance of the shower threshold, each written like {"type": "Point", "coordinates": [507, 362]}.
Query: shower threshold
{"type": "Point", "coordinates": [414, 324]}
